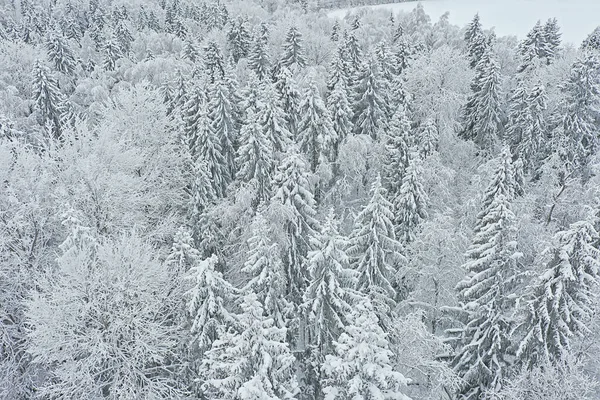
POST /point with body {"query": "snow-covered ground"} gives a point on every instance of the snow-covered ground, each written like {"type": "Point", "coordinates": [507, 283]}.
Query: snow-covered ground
{"type": "Point", "coordinates": [577, 18]}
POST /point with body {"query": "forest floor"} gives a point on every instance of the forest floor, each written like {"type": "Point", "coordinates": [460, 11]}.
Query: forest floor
{"type": "Point", "coordinates": [577, 18]}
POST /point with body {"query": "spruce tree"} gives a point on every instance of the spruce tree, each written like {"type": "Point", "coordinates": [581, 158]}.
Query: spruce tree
{"type": "Point", "coordinates": [582, 95]}
{"type": "Point", "coordinates": [204, 144]}
{"type": "Point", "coordinates": [255, 158]}
{"type": "Point", "coordinates": [265, 269]}
{"type": "Point", "coordinates": [352, 53]}
{"type": "Point", "coordinates": [48, 98]}
{"type": "Point", "coordinates": [60, 54]}
{"type": "Point", "coordinates": [428, 138]}
{"type": "Point", "coordinates": [190, 52]}
{"type": "Point", "coordinates": [398, 142]}
{"type": "Point", "coordinates": [562, 297]}
{"type": "Point", "coordinates": [369, 105]}
{"type": "Point", "coordinates": [552, 39]}
{"type": "Point", "coordinates": [271, 118]}
{"type": "Point", "coordinates": [183, 254]}
{"type": "Point", "coordinates": [214, 63]}
{"type": "Point", "coordinates": [258, 59]}
{"type": "Point", "coordinates": [335, 31]}
{"type": "Point", "coordinates": [482, 115]}
{"type": "Point", "coordinates": [476, 41]}
{"type": "Point", "coordinates": [293, 192]}
{"type": "Point", "coordinates": [289, 97]}
{"type": "Point", "coordinates": [341, 114]}
{"type": "Point", "coordinates": [207, 301]}
{"type": "Point", "coordinates": [337, 70]}
{"type": "Point", "coordinates": [223, 123]}
{"type": "Point", "coordinates": [375, 253]}
{"type": "Point", "coordinates": [518, 119]}
{"type": "Point", "coordinates": [328, 297]}
{"type": "Point", "coordinates": [254, 363]}
{"type": "Point", "coordinates": [239, 39]}
{"type": "Point", "coordinates": [293, 53]}
{"type": "Point", "coordinates": [531, 147]}
{"type": "Point", "coordinates": [316, 136]}
{"type": "Point", "coordinates": [592, 42]}
{"type": "Point", "coordinates": [482, 356]}
{"type": "Point", "coordinates": [112, 52]}
{"type": "Point", "coordinates": [362, 364]}
{"type": "Point", "coordinates": [410, 204]}
{"type": "Point", "coordinates": [123, 37]}
{"type": "Point", "coordinates": [202, 195]}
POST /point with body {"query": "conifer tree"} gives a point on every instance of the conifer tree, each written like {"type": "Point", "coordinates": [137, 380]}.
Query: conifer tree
{"type": "Point", "coordinates": [337, 70]}
{"type": "Point", "coordinates": [534, 44]}
{"type": "Point", "coordinates": [328, 297]}
{"type": "Point", "coordinates": [124, 37]}
{"type": "Point", "coordinates": [592, 42]}
{"type": "Point", "coordinates": [335, 31]}
{"type": "Point", "coordinates": [398, 142]}
{"type": "Point", "coordinates": [204, 144]}
{"type": "Point", "coordinates": [316, 136]}
{"type": "Point", "coordinates": [251, 95]}
{"type": "Point", "coordinates": [476, 41]}
{"type": "Point", "coordinates": [428, 138]}
{"type": "Point", "coordinates": [239, 39]}
{"type": "Point", "coordinates": [531, 147]}
{"type": "Point", "coordinates": [183, 254]}
{"type": "Point", "coordinates": [482, 357]}
{"type": "Point", "coordinates": [369, 105]}
{"type": "Point", "coordinates": [362, 364]}
{"type": "Point", "coordinates": [258, 59]}
{"type": "Point", "coordinates": [582, 95]}
{"type": "Point", "coordinates": [410, 204]}
{"type": "Point", "coordinates": [112, 52]}
{"type": "Point", "coordinates": [202, 195]}
{"type": "Point", "coordinates": [255, 157]}
{"type": "Point", "coordinates": [190, 52]}
{"type": "Point", "coordinates": [562, 297]}
{"type": "Point", "coordinates": [293, 52]}
{"type": "Point", "coordinates": [207, 302]}
{"type": "Point", "coordinates": [223, 123]}
{"type": "Point", "coordinates": [289, 97]}
{"type": "Point", "coordinates": [213, 62]}
{"type": "Point", "coordinates": [255, 363]}
{"type": "Point", "coordinates": [552, 39]}
{"type": "Point", "coordinates": [266, 271]}
{"type": "Point", "coordinates": [294, 193]}
{"type": "Point", "coordinates": [341, 114]}
{"type": "Point", "coordinates": [60, 54]}
{"type": "Point", "coordinates": [271, 118]}
{"type": "Point", "coordinates": [375, 253]}
{"type": "Point", "coordinates": [482, 120]}
{"type": "Point", "coordinates": [352, 53]}
{"type": "Point", "coordinates": [518, 119]}
{"type": "Point", "coordinates": [47, 97]}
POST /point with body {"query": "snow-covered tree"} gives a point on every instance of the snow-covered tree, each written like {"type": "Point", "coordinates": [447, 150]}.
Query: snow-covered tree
{"type": "Point", "coordinates": [112, 53]}
{"type": "Point", "coordinates": [60, 54]}
{"type": "Point", "coordinates": [531, 147]}
{"type": "Point", "coordinates": [204, 143]}
{"type": "Point", "coordinates": [208, 300]}
{"type": "Point", "coordinates": [476, 41]}
{"type": "Point", "coordinates": [293, 192]}
{"type": "Point", "coordinates": [258, 59]}
{"type": "Point", "coordinates": [272, 118]}
{"type": "Point", "coordinates": [483, 356]}
{"type": "Point", "coordinates": [375, 253]}
{"type": "Point", "coordinates": [316, 136]}
{"type": "Point", "coordinates": [482, 115]}
{"type": "Point", "coordinates": [222, 116]}
{"type": "Point", "coordinates": [293, 51]}
{"type": "Point", "coordinates": [562, 297]}
{"type": "Point", "coordinates": [428, 138]}
{"type": "Point", "coordinates": [214, 63]}
{"type": "Point", "coordinates": [255, 158]}
{"type": "Point", "coordinates": [362, 364]}
{"type": "Point", "coordinates": [341, 114]}
{"type": "Point", "coordinates": [582, 95]}
{"type": "Point", "coordinates": [253, 364]}
{"type": "Point", "coordinates": [239, 38]}
{"type": "Point", "coordinates": [352, 54]}
{"type": "Point", "coordinates": [266, 271]}
{"type": "Point", "coordinates": [183, 254]}
{"type": "Point", "coordinates": [592, 42]}
{"type": "Point", "coordinates": [101, 323]}
{"type": "Point", "coordinates": [289, 96]}
{"type": "Point", "coordinates": [552, 38]}
{"type": "Point", "coordinates": [328, 297]}
{"type": "Point", "coordinates": [48, 98]}
{"type": "Point", "coordinates": [410, 204]}
{"type": "Point", "coordinates": [369, 106]}
{"type": "Point", "coordinates": [397, 146]}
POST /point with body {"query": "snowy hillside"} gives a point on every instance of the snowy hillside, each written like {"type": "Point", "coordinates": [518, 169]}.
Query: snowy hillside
{"type": "Point", "coordinates": [577, 18]}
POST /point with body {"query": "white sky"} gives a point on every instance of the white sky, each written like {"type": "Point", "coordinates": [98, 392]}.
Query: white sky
{"type": "Point", "coordinates": [577, 18]}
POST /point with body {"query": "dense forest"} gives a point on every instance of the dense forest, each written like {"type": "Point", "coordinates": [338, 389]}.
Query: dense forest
{"type": "Point", "coordinates": [249, 200]}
